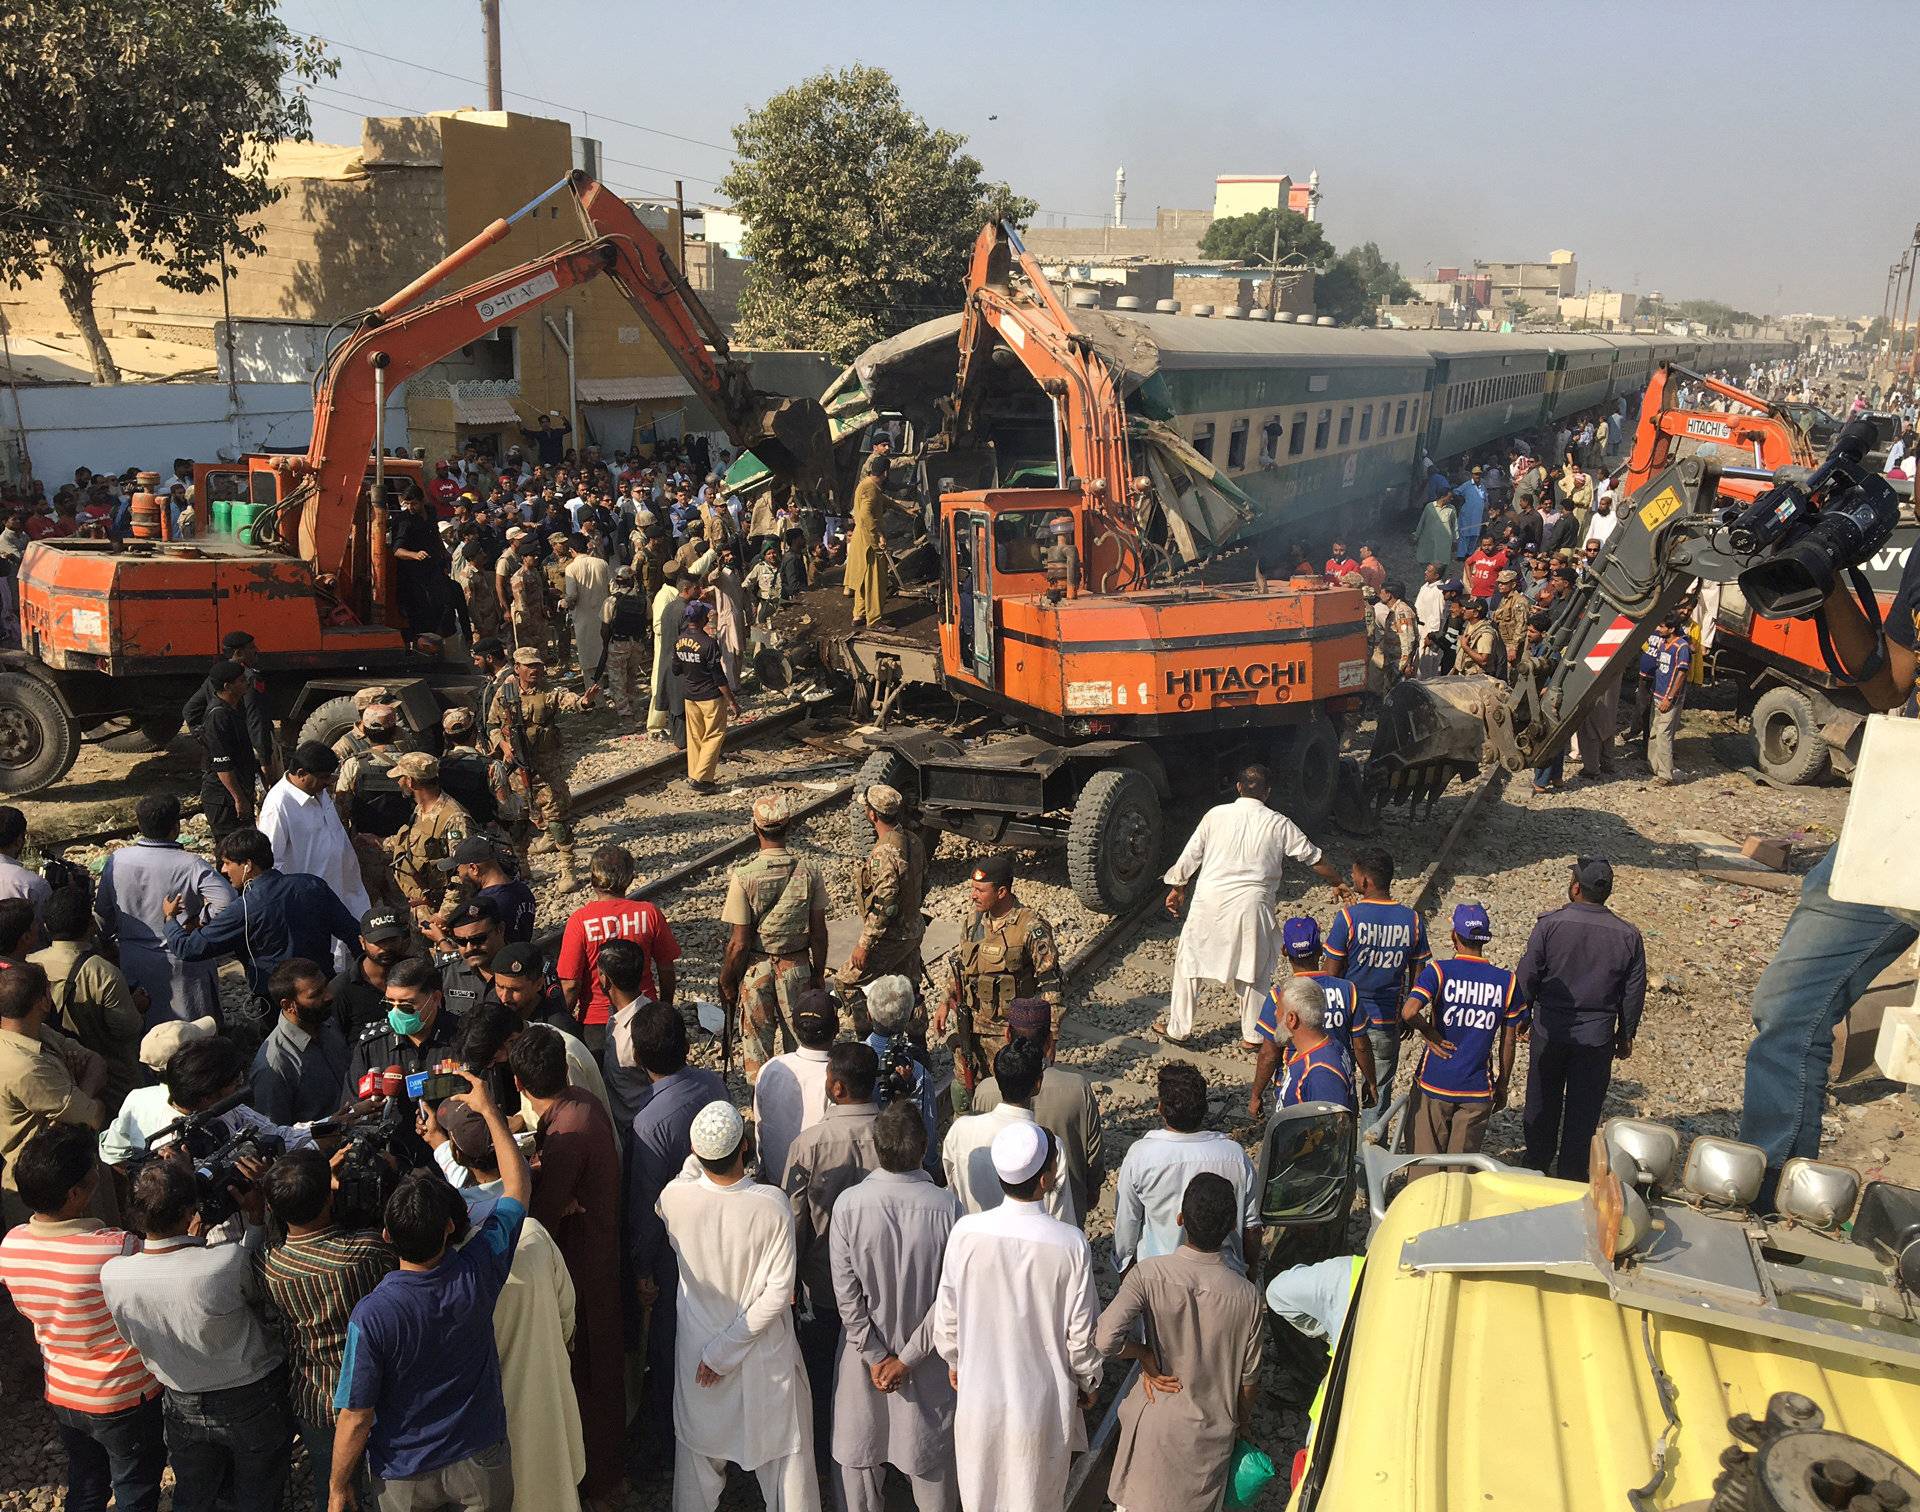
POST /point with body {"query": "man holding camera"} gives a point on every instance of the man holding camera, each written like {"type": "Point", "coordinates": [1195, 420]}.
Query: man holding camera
{"type": "Point", "coordinates": [1831, 951]}
{"type": "Point", "coordinates": [191, 1303]}
{"type": "Point", "coordinates": [419, 1390]}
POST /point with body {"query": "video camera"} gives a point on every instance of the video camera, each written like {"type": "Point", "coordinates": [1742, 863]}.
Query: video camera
{"type": "Point", "coordinates": [1803, 533]}
{"type": "Point", "coordinates": [381, 1149]}
{"type": "Point", "coordinates": [215, 1155]}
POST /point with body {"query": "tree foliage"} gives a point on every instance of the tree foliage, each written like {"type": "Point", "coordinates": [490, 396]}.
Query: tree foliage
{"type": "Point", "coordinates": [1249, 238]}
{"type": "Point", "coordinates": [860, 216]}
{"type": "Point", "coordinates": [1357, 283]}
{"type": "Point", "coordinates": [140, 126]}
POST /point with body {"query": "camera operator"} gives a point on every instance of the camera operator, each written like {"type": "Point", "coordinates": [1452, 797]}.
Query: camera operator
{"type": "Point", "coordinates": [201, 1073]}
{"type": "Point", "coordinates": [419, 1390]}
{"type": "Point", "coordinates": [1831, 951]}
{"type": "Point", "coordinates": [191, 1304]}
{"type": "Point", "coordinates": [418, 1032]}
{"type": "Point", "coordinates": [315, 1279]}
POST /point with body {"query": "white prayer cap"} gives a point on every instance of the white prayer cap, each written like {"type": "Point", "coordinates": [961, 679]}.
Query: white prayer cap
{"type": "Point", "coordinates": [1019, 1150]}
{"type": "Point", "coordinates": [717, 1130]}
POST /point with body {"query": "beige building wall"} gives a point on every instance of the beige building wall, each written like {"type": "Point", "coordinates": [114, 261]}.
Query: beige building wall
{"type": "Point", "coordinates": [1250, 193]}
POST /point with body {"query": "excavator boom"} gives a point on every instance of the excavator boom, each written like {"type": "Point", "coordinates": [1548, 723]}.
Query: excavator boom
{"type": "Point", "coordinates": [402, 336]}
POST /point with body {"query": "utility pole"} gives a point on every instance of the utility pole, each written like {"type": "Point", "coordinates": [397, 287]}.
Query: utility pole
{"type": "Point", "coordinates": [1273, 259]}
{"type": "Point", "coordinates": [490, 28]}
{"type": "Point", "coordinates": [680, 222]}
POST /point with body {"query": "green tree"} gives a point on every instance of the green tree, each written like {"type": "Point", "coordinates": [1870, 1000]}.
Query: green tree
{"type": "Point", "coordinates": [1518, 309]}
{"type": "Point", "coordinates": [143, 127]}
{"type": "Point", "coordinates": [1249, 239]}
{"type": "Point", "coordinates": [1714, 315]}
{"type": "Point", "coordinates": [1357, 283]}
{"type": "Point", "coordinates": [1877, 331]}
{"type": "Point", "coordinates": [860, 216]}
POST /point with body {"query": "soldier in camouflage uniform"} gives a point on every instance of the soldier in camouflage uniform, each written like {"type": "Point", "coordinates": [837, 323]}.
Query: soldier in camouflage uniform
{"type": "Point", "coordinates": [891, 886]}
{"type": "Point", "coordinates": [525, 719]}
{"type": "Point", "coordinates": [1007, 953]}
{"type": "Point", "coordinates": [357, 742]}
{"type": "Point", "coordinates": [418, 851]}
{"type": "Point", "coordinates": [458, 731]}
{"type": "Point", "coordinates": [375, 746]}
{"type": "Point", "coordinates": [777, 908]}
{"type": "Point", "coordinates": [527, 597]}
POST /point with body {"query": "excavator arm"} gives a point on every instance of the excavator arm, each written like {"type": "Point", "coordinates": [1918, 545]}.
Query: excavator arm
{"type": "Point", "coordinates": [329, 521]}
{"type": "Point", "coordinates": [1429, 732]}
{"type": "Point", "coordinates": [1768, 434]}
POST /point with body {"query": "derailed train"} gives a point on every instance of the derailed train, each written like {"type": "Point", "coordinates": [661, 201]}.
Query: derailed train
{"type": "Point", "coordinates": [1299, 427]}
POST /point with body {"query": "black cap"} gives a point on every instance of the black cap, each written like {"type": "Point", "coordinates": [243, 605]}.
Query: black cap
{"type": "Point", "coordinates": [489, 645]}
{"type": "Point", "coordinates": [475, 911]}
{"type": "Point", "coordinates": [226, 673]}
{"type": "Point", "coordinates": [518, 961]}
{"type": "Point", "coordinates": [475, 848]}
{"type": "Point", "coordinates": [996, 868]}
{"type": "Point", "coordinates": [1593, 873]}
{"type": "Point", "coordinates": [378, 924]}
{"type": "Point", "coordinates": [235, 640]}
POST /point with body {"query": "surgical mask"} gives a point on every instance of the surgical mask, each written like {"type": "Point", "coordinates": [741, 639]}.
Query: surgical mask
{"type": "Point", "coordinates": [404, 1022]}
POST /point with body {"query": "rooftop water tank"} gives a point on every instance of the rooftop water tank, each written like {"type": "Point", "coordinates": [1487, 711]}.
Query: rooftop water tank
{"type": "Point", "coordinates": [1233, 312]}
{"type": "Point", "coordinates": [1203, 310]}
{"type": "Point", "coordinates": [1128, 302]}
{"type": "Point", "coordinates": [1166, 306]}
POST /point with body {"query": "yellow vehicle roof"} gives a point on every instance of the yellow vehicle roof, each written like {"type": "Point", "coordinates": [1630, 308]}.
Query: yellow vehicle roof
{"type": "Point", "coordinates": [1526, 1390]}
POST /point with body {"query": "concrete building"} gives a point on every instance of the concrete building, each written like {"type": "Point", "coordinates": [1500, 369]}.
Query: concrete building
{"type": "Point", "coordinates": [1604, 309]}
{"type": "Point", "coordinates": [1174, 236]}
{"type": "Point", "coordinates": [356, 223]}
{"type": "Point", "coordinates": [1250, 193]}
{"type": "Point", "coordinates": [1541, 284]}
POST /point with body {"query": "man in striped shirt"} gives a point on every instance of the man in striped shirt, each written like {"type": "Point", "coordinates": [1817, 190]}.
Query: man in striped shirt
{"type": "Point", "coordinates": [314, 1280]}
{"type": "Point", "coordinates": [104, 1401]}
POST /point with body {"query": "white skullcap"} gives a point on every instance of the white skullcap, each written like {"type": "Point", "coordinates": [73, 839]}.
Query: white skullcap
{"type": "Point", "coordinates": [1019, 1150]}
{"type": "Point", "coordinates": [890, 1003]}
{"type": "Point", "coordinates": [717, 1130]}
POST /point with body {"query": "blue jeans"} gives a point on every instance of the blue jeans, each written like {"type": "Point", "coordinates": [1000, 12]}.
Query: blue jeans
{"type": "Point", "coordinates": [1384, 1040]}
{"type": "Point", "coordinates": [229, 1448]}
{"type": "Point", "coordinates": [1828, 957]}
{"type": "Point", "coordinates": [113, 1453]}
{"type": "Point", "coordinates": [318, 1438]}
{"type": "Point", "coordinates": [1546, 776]}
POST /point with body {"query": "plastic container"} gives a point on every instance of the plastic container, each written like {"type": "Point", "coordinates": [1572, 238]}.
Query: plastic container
{"type": "Point", "coordinates": [222, 516]}
{"type": "Point", "coordinates": [240, 518]}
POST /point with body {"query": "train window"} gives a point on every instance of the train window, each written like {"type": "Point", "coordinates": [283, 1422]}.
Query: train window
{"type": "Point", "coordinates": [1203, 439]}
{"type": "Point", "coordinates": [1346, 425]}
{"type": "Point", "coordinates": [1322, 429]}
{"type": "Point", "coordinates": [1400, 417]}
{"type": "Point", "coordinates": [1237, 445]}
{"type": "Point", "coordinates": [1366, 421]}
{"type": "Point", "coordinates": [1297, 437]}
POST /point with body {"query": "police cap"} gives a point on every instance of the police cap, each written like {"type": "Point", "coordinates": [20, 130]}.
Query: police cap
{"type": "Point", "coordinates": [518, 961]}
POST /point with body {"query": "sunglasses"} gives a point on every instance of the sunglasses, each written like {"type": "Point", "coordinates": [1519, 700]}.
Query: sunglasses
{"type": "Point", "coordinates": [471, 941]}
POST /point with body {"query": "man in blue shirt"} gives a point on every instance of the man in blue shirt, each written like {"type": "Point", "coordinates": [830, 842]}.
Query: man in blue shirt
{"type": "Point", "coordinates": [1380, 946]}
{"type": "Point", "coordinates": [1473, 512]}
{"type": "Point", "coordinates": [1465, 1009]}
{"type": "Point", "coordinates": [278, 915]}
{"type": "Point", "coordinates": [1317, 1068]}
{"type": "Point", "coordinates": [419, 1390]}
{"type": "Point", "coordinates": [1669, 695]}
{"type": "Point", "coordinates": [662, 1141]}
{"type": "Point", "coordinates": [1300, 943]}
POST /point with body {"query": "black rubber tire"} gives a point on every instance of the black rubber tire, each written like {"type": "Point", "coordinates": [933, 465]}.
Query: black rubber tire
{"type": "Point", "coordinates": [1113, 840]}
{"type": "Point", "coordinates": [37, 740]}
{"type": "Point", "coordinates": [142, 739]}
{"type": "Point", "coordinates": [1306, 770]}
{"type": "Point", "coordinates": [1787, 744]}
{"type": "Point", "coordinates": [330, 720]}
{"type": "Point", "coordinates": [889, 767]}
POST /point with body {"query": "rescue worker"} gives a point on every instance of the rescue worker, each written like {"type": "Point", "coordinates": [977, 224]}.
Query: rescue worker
{"type": "Point", "coordinates": [1007, 953]}
{"type": "Point", "coordinates": [707, 695]}
{"type": "Point", "coordinates": [890, 884]}
{"type": "Point", "coordinates": [777, 909]}
{"type": "Point", "coordinates": [1061, 561]}
{"type": "Point", "coordinates": [626, 618]}
{"type": "Point", "coordinates": [418, 851]}
{"type": "Point", "coordinates": [357, 742]}
{"type": "Point", "coordinates": [527, 728]}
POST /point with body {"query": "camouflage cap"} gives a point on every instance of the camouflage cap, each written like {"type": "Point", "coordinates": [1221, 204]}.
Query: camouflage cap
{"type": "Point", "coordinates": [623, 575]}
{"type": "Point", "coordinates": [382, 716]}
{"type": "Point", "coordinates": [557, 538]}
{"type": "Point", "coordinates": [774, 810]}
{"type": "Point", "coordinates": [526, 656]}
{"type": "Point", "coordinates": [884, 799]}
{"type": "Point", "coordinates": [460, 718]}
{"type": "Point", "coordinates": [368, 696]}
{"type": "Point", "coordinates": [417, 765]}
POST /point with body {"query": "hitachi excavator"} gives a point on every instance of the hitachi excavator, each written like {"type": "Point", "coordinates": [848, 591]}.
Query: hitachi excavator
{"type": "Point", "coordinates": [124, 631]}
{"type": "Point", "coordinates": [1779, 535]}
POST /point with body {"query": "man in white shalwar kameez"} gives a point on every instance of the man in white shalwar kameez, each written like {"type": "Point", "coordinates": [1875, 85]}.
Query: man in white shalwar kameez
{"type": "Point", "coordinates": [740, 1391]}
{"type": "Point", "coordinates": [299, 818]}
{"type": "Point", "coordinates": [1014, 1320]}
{"type": "Point", "coordinates": [1236, 855]}
{"type": "Point", "coordinates": [588, 582]}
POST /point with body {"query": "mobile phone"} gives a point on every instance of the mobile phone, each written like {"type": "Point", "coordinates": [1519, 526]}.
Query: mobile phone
{"type": "Point", "coordinates": [433, 1086]}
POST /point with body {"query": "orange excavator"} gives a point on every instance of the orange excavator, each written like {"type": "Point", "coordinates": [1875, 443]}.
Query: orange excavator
{"type": "Point", "coordinates": [1124, 676]}
{"type": "Point", "coordinates": [1805, 720]}
{"type": "Point", "coordinates": [123, 631]}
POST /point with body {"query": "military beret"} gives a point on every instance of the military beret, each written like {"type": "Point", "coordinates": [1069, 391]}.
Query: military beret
{"type": "Point", "coordinates": [518, 961]}
{"type": "Point", "coordinates": [996, 868]}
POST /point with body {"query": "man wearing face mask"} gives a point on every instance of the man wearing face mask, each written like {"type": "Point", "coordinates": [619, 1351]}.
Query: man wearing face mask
{"type": "Point", "coordinates": [360, 992]}
{"type": "Point", "coordinates": [298, 1069]}
{"type": "Point", "coordinates": [418, 1032]}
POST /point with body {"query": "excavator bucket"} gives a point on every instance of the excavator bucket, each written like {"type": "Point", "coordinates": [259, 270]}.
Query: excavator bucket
{"type": "Point", "coordinates": [793, 442]}
{"type": "Point", "coordinates": [1431, 732]}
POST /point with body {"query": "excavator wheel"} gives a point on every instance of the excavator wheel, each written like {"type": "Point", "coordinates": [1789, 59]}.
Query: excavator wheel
{"type": "Point", "coordinates": [889, 767]}
{"type": "Point", "coordinates": [330, 720]}
{"type": "Point", "coordinates": [1354, 810]}
{"type": "Point", "coordinates": [1306, 770]}
{"type": "Point", "coordinates": [138, 739]}
{"type": "Point", "coordinates": [1787, 742]}
{"type": "Point", "coordinates": [1113, 840]}
{"type": "Point", "coordinates": [38, 742]}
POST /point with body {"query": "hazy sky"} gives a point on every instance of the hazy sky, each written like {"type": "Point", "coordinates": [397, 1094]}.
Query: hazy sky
{"type": "Point", "coordinates": [1762, 153]}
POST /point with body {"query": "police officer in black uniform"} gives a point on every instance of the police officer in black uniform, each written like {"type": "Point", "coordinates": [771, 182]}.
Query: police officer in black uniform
{"type": "Point", "coordinates": [227, 785]}
{"type": "Point", "coordinates": [359, 1000]}
{"type": "Point", "coordinates": [478, 934]}
{"type": "Point", "coordinates": [239, 646]}
{"type": "Point", "coordinates": [418, 1031]}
